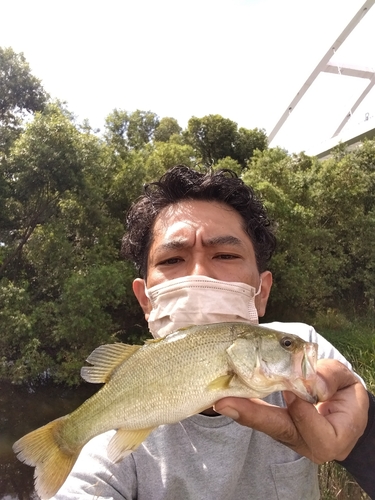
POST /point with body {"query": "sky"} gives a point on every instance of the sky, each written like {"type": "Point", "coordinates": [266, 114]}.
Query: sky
{"type": "Point", "coordinates": [242, 59]}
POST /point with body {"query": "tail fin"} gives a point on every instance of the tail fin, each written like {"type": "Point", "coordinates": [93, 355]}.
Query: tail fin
{"type": "Point", "coordinates": [41, 449]}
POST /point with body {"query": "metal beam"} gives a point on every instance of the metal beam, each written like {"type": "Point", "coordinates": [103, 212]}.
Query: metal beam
{"type": "Point", "coordinates": [365, 130]}
{"type": "Point", "coordinates": [355, 106]}
{"type": "Point", "coordinates": [346, 70]}
{"type": "Point", "coordinates": [321, 65]}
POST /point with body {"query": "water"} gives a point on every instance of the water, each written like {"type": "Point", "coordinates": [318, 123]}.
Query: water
{"type": "Point", "coordinates": [23, 409]}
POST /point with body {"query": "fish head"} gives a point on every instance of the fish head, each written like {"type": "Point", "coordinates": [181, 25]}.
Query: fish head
{"type": "Point", "coordinates": [272, 361]}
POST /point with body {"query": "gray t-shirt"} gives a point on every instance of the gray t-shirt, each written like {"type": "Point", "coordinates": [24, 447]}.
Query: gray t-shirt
{"type": "Point", "coordinates": [201, 458]}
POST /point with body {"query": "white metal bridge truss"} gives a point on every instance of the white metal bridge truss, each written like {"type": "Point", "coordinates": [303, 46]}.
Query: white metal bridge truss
{"type": "Point", "coordinates": [327, 66]}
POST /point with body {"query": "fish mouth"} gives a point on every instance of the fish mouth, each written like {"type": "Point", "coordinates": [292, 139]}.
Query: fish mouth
{"type": "Point", "coordinates": [304, 385]}
{"type": "Point", "coordinates": [305, 390]}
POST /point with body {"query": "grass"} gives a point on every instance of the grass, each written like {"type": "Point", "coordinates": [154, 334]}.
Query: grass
{"type": "Point", "coordinates": [356, 341]}
{"type": "Point", "coordinates": [336, 484]}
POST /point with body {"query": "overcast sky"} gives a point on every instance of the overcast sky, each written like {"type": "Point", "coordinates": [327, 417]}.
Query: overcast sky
{"type": "Point", "coordinates": [242, 59]}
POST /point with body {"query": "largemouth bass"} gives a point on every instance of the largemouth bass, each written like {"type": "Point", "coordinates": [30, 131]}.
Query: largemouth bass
{"type": "Point", "coordinates": [164, 381]}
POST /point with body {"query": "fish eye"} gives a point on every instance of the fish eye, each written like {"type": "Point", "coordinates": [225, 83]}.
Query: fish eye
{"type": "Point", "coordinates": [286, 342]}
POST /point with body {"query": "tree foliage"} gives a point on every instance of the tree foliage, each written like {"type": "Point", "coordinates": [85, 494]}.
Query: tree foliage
{"type": "Point", "coordinates": [20, 94]}
{"type": "Point", "coordinates": [325, 217]}
{"type": "Point", "coordinates": [20, 91]}
{"type": "Point", "coordinates": [215, 138]}
{"type": "Point", "coordinates": [44, 163]}
{"type": "Point", "coordinates": [127, 131]}
{"type": "Point", "coordinates": [167, 128]}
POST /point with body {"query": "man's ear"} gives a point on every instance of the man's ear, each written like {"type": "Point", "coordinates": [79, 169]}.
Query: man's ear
{"type": "Point", "coordinates": [262, 298]}
{"type": "Point", "coordinates": [139, 289]}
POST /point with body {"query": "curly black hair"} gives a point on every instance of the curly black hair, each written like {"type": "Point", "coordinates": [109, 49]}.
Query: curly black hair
{"type": "Point", "coordinates": [184, 183]}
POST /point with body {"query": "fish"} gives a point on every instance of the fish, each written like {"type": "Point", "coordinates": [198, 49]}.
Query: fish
{"type": "Point", "coordinates": [162, 382]}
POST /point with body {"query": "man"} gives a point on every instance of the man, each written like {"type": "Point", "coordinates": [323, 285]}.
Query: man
{"type": "Point", "coordinates": [193, 237]}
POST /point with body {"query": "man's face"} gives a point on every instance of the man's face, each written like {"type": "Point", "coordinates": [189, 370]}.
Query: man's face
{"type": "Point", "coordinates": [202, 238]}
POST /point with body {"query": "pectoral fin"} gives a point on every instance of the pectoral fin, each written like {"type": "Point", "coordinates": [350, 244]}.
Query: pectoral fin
{"type": "Point", "coordinates": [221, 383]}
{"type": "Point", "coordinates": [125, 442]}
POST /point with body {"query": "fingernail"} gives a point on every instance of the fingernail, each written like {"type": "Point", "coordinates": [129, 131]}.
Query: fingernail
{"type": "Point", "coordinates": [227, 411]}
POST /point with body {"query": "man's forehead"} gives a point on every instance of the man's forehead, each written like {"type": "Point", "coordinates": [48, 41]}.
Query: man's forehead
{"type": "Point", "coordinates": [199, 212]}
{"type": "Point", "coordinates": [178, 228]}
{"type": "Point", "coordinates": [208, 220]}
{"type": "Point", "coordinates": [182, 228]}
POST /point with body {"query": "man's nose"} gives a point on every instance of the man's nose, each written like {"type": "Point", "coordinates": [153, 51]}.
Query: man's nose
{"type": "Point", "coordinates": [201, 267]}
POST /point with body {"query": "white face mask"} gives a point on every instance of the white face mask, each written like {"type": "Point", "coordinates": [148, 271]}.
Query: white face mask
{"type": "Point", "coordinates": [199, 300]}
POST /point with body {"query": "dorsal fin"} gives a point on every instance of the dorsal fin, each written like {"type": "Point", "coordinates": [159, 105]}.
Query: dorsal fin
{"type": "Point", "coordinates": [105, 359]}
{"type": "Point", "coordinates": [154, 341]}
{"type": "Point", "coordinates": [171, 335]}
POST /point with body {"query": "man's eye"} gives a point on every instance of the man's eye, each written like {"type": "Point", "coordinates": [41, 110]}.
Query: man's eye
{"type": "Point", "coordinates": [226, 256]}
{"type": "Point", "coordinates": [170, 261]}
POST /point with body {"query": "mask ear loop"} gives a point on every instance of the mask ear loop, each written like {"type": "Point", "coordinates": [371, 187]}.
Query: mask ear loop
{"type": "Point", "coordinates": [253, 313]}
{"type": "Point", "coordinates": [259, 288]}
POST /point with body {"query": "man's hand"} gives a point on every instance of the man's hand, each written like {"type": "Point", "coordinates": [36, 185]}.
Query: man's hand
{"type": "Point", "coordinates": [322, 432]}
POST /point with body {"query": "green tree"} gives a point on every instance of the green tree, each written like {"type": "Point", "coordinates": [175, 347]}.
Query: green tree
{"type": "Point", "coordinates": [141, 128]}
{"type": "Point", "coordinates": [43, 163]}
{"type": "Point", "coordinates": [116, 126]}
{"type": "Point", "coordinates": [247, 142]}
{"type": "Point", "coordinates": [164, 156]}
{"type": "Point", "coordinates": [166, 129]}
{"type": "Point", "coordinates": [343, 198]}
{"type": "Point", "coordinates": [125, 131]}
{"type": "Point", "coordinates": [325, 218]}
{"type": "Point", "coordinates": [284, 183]}
{"type": "Point", "coordinates": [85, 315]}
{"type": "Point", "coordinates": [215, 138]}
{"type": "Point", "coordinates": [229, 163]}
{"type": "Point", "coordinates": [212, 137]}
{"type": "Point", "coordinates": [126, 184]}
{"type": "Point", "coordinates": [21, 93]}
{"type": "Point", "coordinates": [75, 291]}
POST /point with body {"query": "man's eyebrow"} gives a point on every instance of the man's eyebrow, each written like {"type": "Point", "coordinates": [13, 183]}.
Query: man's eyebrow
{"type": "Point", "coordinates": [180, 243]}
{"type": "Point", "coordinates": [175, 244]}
{"type": "Point", "coordinates": [223, 240]}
